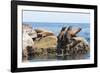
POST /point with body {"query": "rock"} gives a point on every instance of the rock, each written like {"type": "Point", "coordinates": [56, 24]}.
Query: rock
{"type": "Point", "coordinates": [70, 43]}
{"type": "Point", "coordinates": [27, 41]}
{"type": "Point", "coordinates": [36, 42]}
{"type": "Point", "coordinates": [28, 29]}
{"type": "Point", "coordinates": [83, 43]}
{"type": "Point", "coordinates": [47, 42]}
{"type": "Point", "coordinates": [32, 34]}
{"type": "Point", "coordinates": [81, 39]}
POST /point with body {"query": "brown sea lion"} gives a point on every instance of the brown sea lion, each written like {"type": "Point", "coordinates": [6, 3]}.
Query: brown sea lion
{"type": "Point", "coordinates": [43, 33]}
{"type": "Point", "coordinates": [73, 31]}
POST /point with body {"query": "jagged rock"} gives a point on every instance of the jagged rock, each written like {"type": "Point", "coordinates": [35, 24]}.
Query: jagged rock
{"type": "Point", "coordinates": [27, 41]}
{"type": "Point", "coordinates": [28, 29]}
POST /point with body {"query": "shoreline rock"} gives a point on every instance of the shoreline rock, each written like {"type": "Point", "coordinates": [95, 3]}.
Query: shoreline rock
{"type": "Point", "coordinates": [40, 42]}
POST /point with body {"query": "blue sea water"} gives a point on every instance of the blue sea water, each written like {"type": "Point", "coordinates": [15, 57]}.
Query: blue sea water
{"type": "Point", "coordinates": [56, 27]}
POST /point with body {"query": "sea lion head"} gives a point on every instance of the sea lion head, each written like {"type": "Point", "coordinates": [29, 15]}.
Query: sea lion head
{"type": "Point", "coordinates": [63, 28]}
{"type": "Point", "coordinates": [69, 28]}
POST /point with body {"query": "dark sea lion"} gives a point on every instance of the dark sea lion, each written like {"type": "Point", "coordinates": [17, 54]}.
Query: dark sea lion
{"type": "Point", "coordinates": [69, 41]}
{"type": "Point", "coordinates": [61, 35]}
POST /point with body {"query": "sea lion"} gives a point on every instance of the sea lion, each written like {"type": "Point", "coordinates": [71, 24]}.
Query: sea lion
{"type": "Point", "coordinates": [61, 35]}
{"type": "Point", "coordinates": [73, 31]}
{"type": "Point", "coordinates": [43, 33]}
{"type": "Point", "coordinates": [71, 41]}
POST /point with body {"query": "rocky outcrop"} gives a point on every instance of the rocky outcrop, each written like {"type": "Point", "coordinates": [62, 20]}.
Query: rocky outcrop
{"type": "Point", "coordinates": [70, 44]}
{"type": "Point", "coordinates": [40, 42]}
{"type": "Point", "coordinates": [45, 44]}
{"type": "Point", "coordinates": [27, 42]}
{"type": "Point", "coordinates": [37, 42]}
{"type": "Point", "coordinates": [28, 29]}
{"type": "Point", "coordinates": [45, 41]}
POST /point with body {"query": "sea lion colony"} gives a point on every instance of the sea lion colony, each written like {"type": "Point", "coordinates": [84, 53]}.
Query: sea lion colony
{"type": "Point", "coordinates": [68, 43]}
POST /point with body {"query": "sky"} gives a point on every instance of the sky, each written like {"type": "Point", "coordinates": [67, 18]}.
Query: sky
{"type": "Point", "coordinates": [55, 17]}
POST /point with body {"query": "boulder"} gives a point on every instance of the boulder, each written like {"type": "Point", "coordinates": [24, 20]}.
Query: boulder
{"type": "Point", "coordinates": [32, 34]}
{"type": "Point", "coordinates": [84, 45]}
{"type": "Point", "coordinates": [36, 42]}
{"type": "Point", "coordinates": [46, 42]}
{"type": "Point", "coordinates": [27, 42]}
{"type": "Point", "coordinates": [28, 29]}
{"type": "Point", "coordinates": [45, 45]}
